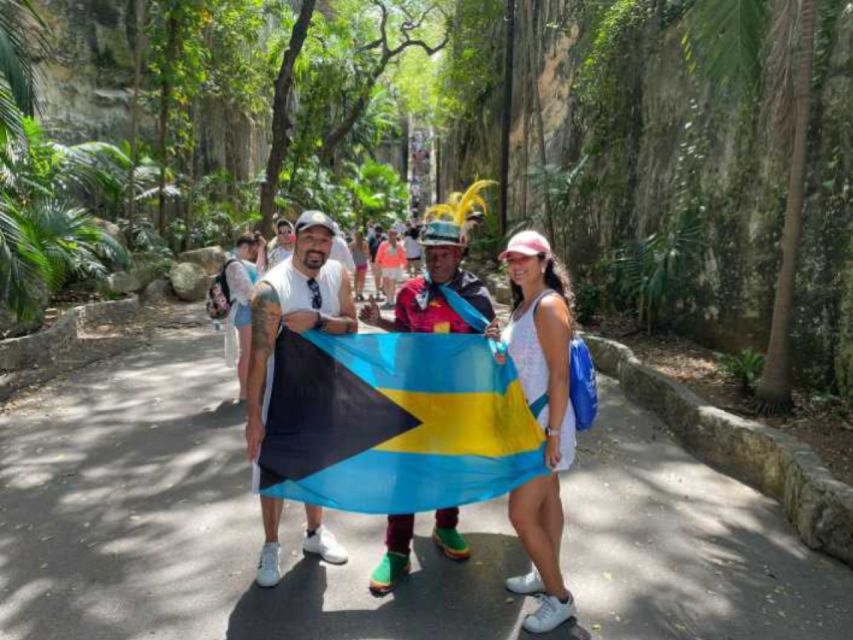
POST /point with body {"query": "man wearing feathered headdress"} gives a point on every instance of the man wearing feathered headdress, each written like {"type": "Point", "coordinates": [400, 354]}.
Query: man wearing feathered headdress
{"type": "Point", "coordinates": [423, 307]}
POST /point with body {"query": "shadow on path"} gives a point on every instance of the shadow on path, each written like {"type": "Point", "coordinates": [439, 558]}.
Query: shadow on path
{"type": "Point", "coordinates": [467, 598]}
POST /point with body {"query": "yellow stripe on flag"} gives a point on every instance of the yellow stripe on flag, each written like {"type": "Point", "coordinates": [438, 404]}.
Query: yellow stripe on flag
{"type": "Point", "coordinates": [464, 424]}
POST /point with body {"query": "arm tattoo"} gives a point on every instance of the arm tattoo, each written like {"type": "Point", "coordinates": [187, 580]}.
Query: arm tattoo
{"type": "Point", "coordinates": [266, 316]}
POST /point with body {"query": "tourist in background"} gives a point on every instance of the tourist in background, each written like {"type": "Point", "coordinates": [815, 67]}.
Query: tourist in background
{"type": "Point", "coordinates": [241, 273]}
{"type": "Point", "coordinates": [283, 247]}
{"type": "Point", "coordinates": [360, 254]}
{"type": "Point", "coordinates": [340, 250]}
{"type": "Point", "coordinates": [373, 244]}
{"type": "Point", "coordinates": [391, 258]}
{"type": "Point", "coordinates": [413, 249]}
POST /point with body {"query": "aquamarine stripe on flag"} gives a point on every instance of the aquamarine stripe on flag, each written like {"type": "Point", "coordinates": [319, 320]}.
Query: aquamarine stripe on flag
{"type": "Point", "coordinates": [429, 363]}
{"type": "Point", "coordinates": [382, 482]}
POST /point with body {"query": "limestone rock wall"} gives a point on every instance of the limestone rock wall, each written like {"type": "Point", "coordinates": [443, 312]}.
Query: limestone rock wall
{"type": "Point", "coordinates": [86, 86]}
{"type": "Point", "coordinates": [670, 128]}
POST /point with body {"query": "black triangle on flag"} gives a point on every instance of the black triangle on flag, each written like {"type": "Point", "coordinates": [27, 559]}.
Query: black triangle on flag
{"type": "Point", "coordinates": [321, 413]}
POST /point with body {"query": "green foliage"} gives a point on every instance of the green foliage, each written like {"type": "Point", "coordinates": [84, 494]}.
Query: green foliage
{"type": "Point", "coordinates": [377, 192]}
{"type": "Point", "coordinates": [725, 38]}
{"type": "Point", "coordinates": [655, 272]}
{"type": "Point", "coordinates": [144, 237]}
{"type": "Point", "coordinates": [178, 63]}
{"type": "Point", "coordinates": [587, 302]}
{"type": "Point", "coordinates": [601, 85]}
{"type": "Point", "coordinates": [222, 209]}
{"type": "Point", "coordinates": [328, 76]}
{"type": "Point", "coordinates": [486, 240]}
{"type": "Point", "coordinates": [416, 81]}
{"type": "Point", "coordinates": [562, 187]}
{"type": "Point", "coordinates": [46, 238]}
{"type": "Point", "coordinates": [470, 73]}
{"type": "Point", "coordinates": [237, 69]}
{"type": "Point", "coordinates": [68, 239]}
{"type": "Point", "coordinates": [746, 367]}
{"type": "Point", "coordinates": [313, 186]}
{"type": "Point", "coordinates": [22, 34]}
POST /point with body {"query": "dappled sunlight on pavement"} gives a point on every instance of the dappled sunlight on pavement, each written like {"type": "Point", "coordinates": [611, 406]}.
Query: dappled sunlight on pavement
{"type": "Point", "coordinates": [126, 513]}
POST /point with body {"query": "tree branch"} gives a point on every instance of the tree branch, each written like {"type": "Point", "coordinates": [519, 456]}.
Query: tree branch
{"type": "Point", "coordinates": [281, 120]}
{"type": "Point", "coordinates": [338, 133]}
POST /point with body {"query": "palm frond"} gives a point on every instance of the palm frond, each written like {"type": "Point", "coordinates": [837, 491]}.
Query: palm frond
{"type": "Point", "coordinates": [11, 117]}
{"type": "Point", "coordinates": [22, 266]}
{"type": "Point", "coordinates": [724, 40]}
{"type": "Point", "coordinates": [22, 32]}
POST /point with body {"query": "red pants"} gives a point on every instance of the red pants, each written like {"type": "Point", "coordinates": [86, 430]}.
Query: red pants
{"type": "Point", "coordinates": [398, 536]}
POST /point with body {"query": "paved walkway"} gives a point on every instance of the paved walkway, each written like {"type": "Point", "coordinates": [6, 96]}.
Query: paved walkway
{"type": "Point", "coordinates": [125, 513]}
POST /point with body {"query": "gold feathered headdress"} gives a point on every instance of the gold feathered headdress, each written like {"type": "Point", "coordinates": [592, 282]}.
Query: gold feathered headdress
{"type": "Point", "coordinates": [460, 205]}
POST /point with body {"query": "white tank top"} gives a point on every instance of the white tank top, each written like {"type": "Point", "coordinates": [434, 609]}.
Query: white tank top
{"type": "Point", "coordinates": [294, 294]}
{"type": "Point", "coordinates": [293, 291]}
{"type": "Point", "coordinates": [526, 352]}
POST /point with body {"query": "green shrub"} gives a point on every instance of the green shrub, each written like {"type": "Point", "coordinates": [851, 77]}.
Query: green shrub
{"type": "Point", "coordinates": [746, 367]}
{"type": "Point", "coordinates": [653, 273]}
{"type": "Point", "coordinates": [587, 300]}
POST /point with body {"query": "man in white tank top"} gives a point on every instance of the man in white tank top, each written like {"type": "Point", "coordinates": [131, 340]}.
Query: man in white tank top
{"type": "Point", "coordinates": [306, 291]}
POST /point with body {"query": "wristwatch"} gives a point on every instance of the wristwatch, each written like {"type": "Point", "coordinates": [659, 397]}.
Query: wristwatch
{"type": "Point", "coordinates": [320, 321]}
{"type": "Point", "coordinates": [551, 432]}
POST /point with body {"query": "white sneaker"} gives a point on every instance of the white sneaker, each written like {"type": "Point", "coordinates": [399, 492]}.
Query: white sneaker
{"type": "Point", "coordinates": [325, 545]}
{"type": "Point", "coordinates": [551, 614]}
{"type": "Point", "coordinates": [526, 585]}
{"type": "Point", "coordinates": [269, 573]}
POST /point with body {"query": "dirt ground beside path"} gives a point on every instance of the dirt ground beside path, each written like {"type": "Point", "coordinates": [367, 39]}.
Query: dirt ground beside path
{"type": "Point", "coordinates": [125, 513]}
{"type": "Point", "coordinates": [824, 422]}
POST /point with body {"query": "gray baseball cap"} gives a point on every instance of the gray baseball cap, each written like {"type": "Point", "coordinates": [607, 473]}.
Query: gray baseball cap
{"type": "Point", "coordinates": [314, 218]}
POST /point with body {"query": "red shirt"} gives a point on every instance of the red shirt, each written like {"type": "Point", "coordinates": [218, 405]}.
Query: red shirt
{"type": "Point", "coordinates": [438, 317]}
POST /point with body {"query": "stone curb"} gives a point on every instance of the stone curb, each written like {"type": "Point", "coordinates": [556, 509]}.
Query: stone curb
{"type": "Point", "coordinates": [819, 506]}
{"type": "Point", "coordinates": [39, 349]}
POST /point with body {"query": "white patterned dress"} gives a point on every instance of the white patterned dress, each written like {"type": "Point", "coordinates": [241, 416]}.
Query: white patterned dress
{"type": "Point", "coordinates": [527, 354]}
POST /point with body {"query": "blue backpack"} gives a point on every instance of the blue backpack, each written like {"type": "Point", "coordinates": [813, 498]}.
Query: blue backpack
{"type": "Point", "coordinates": [583, 391]}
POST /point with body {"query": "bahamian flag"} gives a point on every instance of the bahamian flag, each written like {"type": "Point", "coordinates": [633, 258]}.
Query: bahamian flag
{"type": "Point", "coordinates": [395, 423]}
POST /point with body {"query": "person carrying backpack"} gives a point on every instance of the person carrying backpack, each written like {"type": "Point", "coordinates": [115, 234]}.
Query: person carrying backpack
{"type": "Point", "coordinates": [240, 274]}
{"type": "Point", "coordinates": [538, 336]}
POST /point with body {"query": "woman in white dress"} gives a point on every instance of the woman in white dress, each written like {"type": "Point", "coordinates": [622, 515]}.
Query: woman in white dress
{"type": "Point", "coordinates": [538, 337]}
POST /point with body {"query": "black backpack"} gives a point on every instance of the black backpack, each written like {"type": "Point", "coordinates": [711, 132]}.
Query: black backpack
{"type": "Point", "coordinates": [219, 294]}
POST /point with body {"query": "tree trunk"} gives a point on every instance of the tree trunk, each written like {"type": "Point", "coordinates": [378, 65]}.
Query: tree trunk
{"type": "Point", "coordinates": [337, 134]}
{"type": "Point", "coordinates": [404, 150]}
{"type": "Point", "coordinates": [172, 48]}
{"type": "Point", "coordinates": [186, 245]}
{"type": "Point", "coordinates": [774, 389]}
{"type": "Point", "coordinates": [280, 119]}
{"type": "Point", "coordinates": [138, 51]}
{"type": "Point", "coordinates": [506, 120]}
{"type": "Point", "coordinates": [533, 56]}
{"type": "Point", "coordinates": [437, 159]}
{"type": "Point", "coordinates": [525, 148]}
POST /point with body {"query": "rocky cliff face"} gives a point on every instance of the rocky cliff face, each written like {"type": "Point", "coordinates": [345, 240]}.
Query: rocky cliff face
{"type": "Point", "coordinates": [86, 80]}
{"type": "Point", "coordinates": [661, 133]}
{"type": "Point", "coordinates": [86, 88]}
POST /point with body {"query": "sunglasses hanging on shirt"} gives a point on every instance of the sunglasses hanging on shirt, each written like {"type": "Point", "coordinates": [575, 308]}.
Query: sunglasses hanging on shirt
{"type": "Point", "coordinates": [316, 297]}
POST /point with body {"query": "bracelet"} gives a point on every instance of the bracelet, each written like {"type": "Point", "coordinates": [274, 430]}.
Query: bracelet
{"type": "Point", "coordinates": [318, 324]}
{"type": "Point", "coordinates": [552, 433]}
